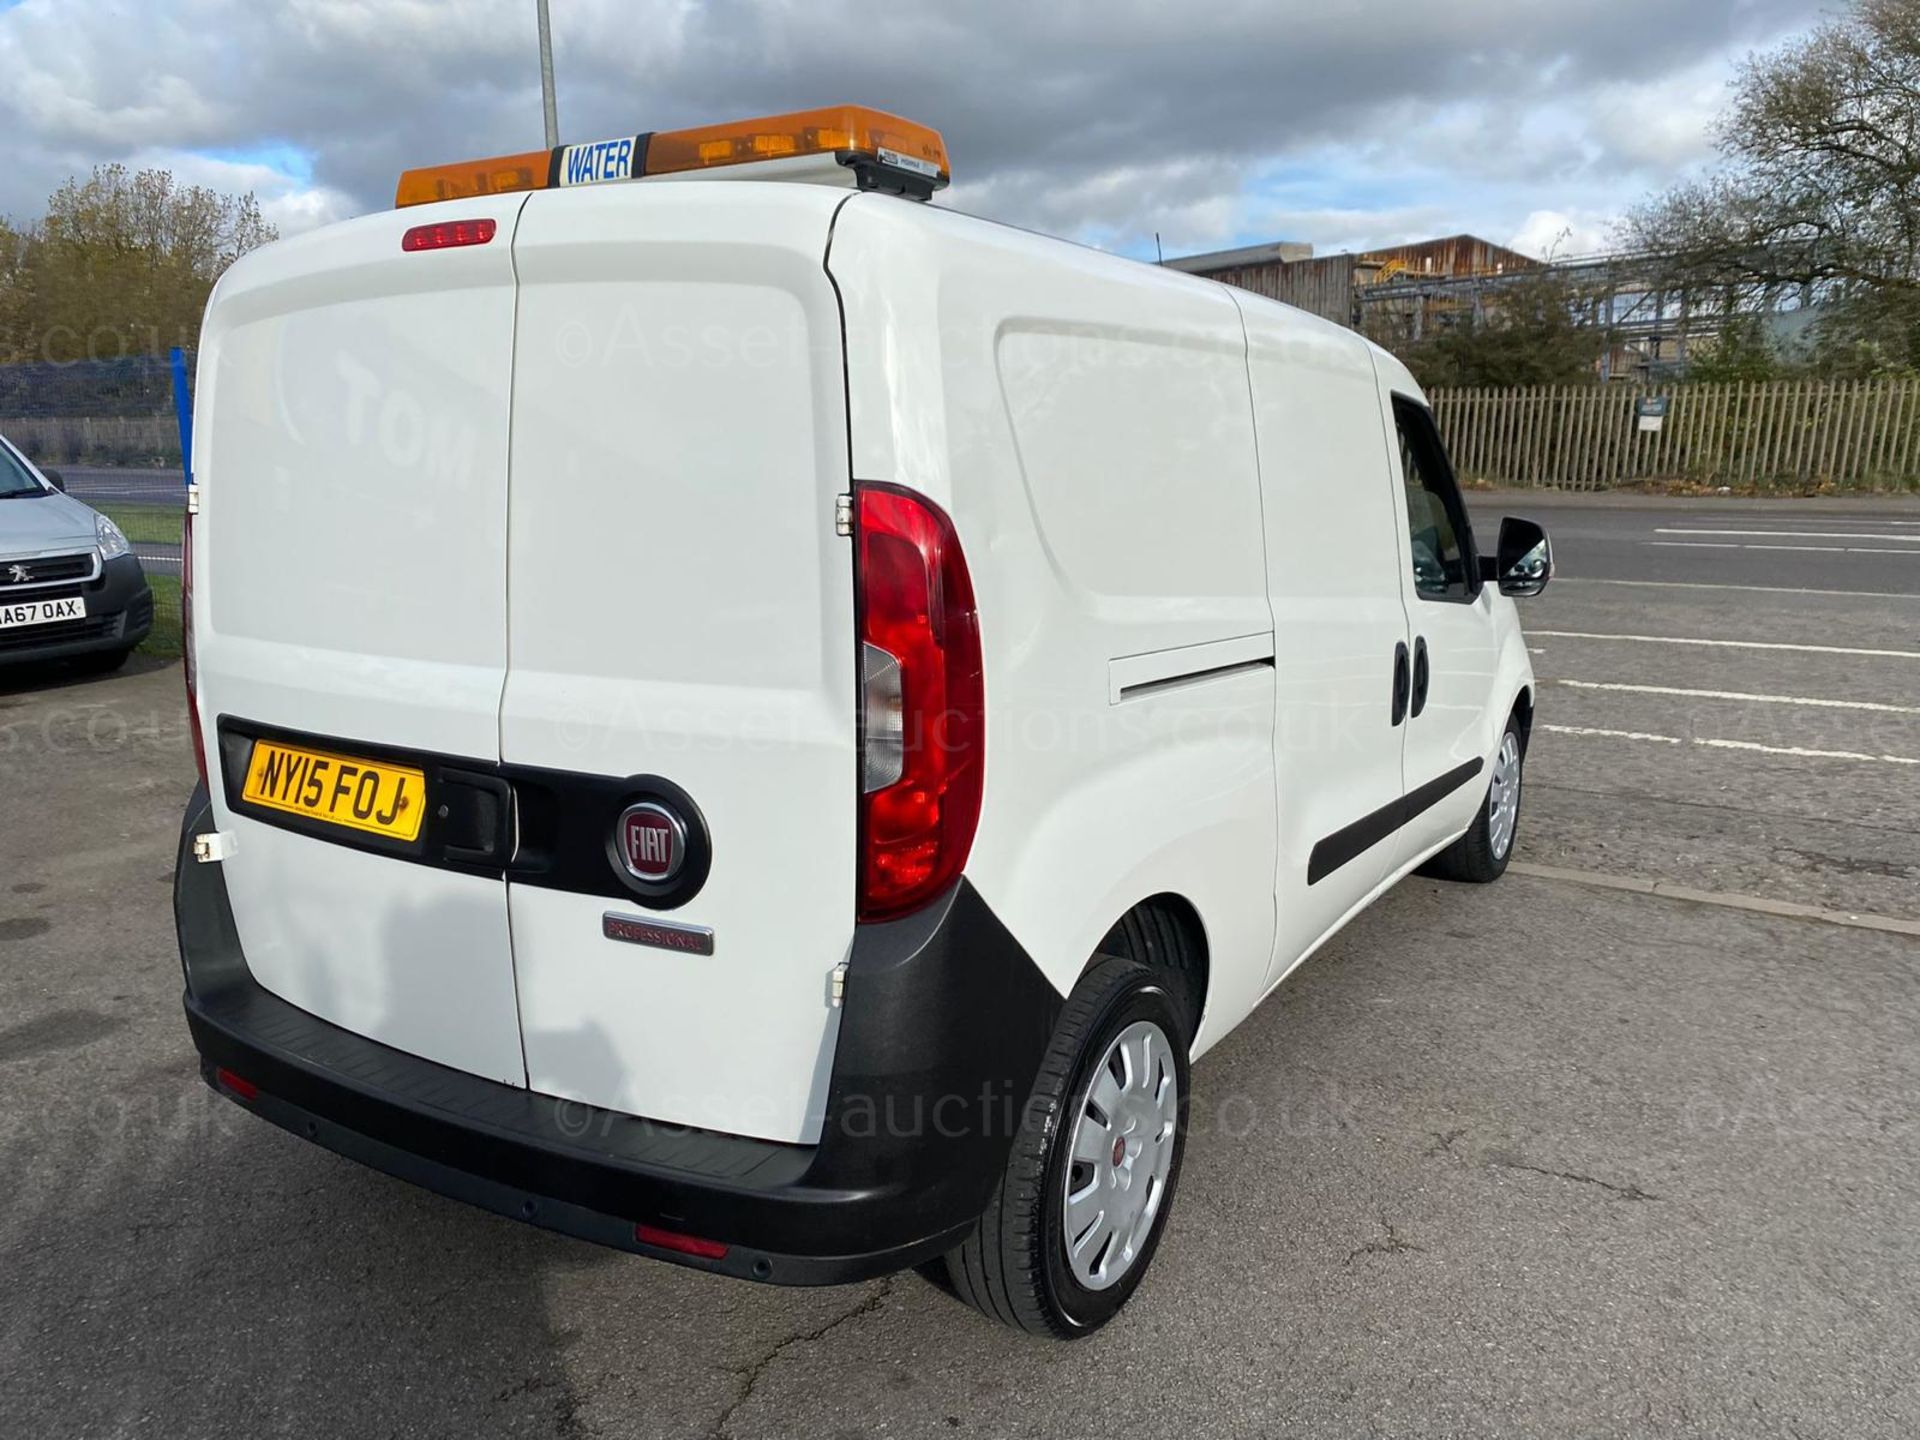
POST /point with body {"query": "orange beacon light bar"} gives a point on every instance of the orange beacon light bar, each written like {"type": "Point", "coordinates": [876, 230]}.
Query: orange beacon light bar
{"type": "Point", "coordinates": [884, 152]}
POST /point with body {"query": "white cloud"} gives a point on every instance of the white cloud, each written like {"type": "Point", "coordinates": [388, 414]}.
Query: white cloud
{"type": "Point", "coordinates": [1555, 235]}
{"type": "Point", "coordinates": [1107, 120]}
{"type": "Point", "coordinates": [290, 203]}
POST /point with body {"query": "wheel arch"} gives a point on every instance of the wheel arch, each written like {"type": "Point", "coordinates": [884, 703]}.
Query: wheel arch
{"type": "Point", "coordinates": [1523, 713]}
{"type": "Point", "coordinates": [1164, 932]}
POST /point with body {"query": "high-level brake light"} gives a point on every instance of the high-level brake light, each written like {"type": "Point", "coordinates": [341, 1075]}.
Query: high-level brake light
{"type": "Point", "coordinates": [883, 151]}
{"type": "Point", "coordinates": [448, 233]}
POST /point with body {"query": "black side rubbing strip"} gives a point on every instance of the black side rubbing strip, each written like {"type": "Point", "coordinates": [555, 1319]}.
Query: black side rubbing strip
{"type": "Point", "coordinates": [1193, 677]}
{"type": "Point", "coordinates": [1347, 845]}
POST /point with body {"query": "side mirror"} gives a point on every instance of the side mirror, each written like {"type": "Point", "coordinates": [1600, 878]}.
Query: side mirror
{"type": "Point", "coordinates": [1526, 559]}
{"type": "Point", "coordinates": [55, 479]}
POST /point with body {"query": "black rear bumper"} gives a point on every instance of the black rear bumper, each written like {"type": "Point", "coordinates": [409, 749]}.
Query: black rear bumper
{"type": "Point", "coordinates": [945, 1022]}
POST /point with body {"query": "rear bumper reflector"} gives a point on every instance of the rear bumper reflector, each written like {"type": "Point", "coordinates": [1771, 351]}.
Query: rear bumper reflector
{"type": "Point", "coordinates": [681, 1244]}
{"type": "Point", "coordinates": [240, 1089]}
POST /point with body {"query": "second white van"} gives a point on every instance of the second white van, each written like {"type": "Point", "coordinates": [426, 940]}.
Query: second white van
{"type": "Point", "coordinates": [759, 721]}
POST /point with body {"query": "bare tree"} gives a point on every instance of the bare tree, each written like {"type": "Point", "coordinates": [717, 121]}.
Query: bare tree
{"type": "Point", "coordinates": [1818, 200]}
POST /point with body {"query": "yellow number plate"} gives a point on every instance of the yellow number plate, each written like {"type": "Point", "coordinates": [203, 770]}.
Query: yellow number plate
{"type": "Point", "coordinates": [389, 800]}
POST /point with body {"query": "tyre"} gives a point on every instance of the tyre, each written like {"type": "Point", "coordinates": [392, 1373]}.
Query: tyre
{"type": "Point", "coordinates": [1480, 856]}
{"type": "Point", "coordinates": [1074, 1221]}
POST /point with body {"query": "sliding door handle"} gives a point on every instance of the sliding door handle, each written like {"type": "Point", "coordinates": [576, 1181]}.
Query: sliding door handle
{"type": "Point", "coordinates": [1402, 684]}
{"type": "Point", "coordinates": [1422, 676]}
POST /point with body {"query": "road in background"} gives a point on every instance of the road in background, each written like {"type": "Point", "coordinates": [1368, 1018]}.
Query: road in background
{"type": "Point", "coordinates": [1857, 543]}
{"type": "Point", "coordinates": [96, 483]}
{"type": "Point", "coordinates": [1742, 717]}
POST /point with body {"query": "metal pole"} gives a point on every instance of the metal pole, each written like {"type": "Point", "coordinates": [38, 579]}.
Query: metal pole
{"type": "Point", "coordinates": [546, 76]}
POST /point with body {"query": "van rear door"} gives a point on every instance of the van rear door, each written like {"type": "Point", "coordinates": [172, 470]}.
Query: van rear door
{"type": "Point", "coordinates": [350, 559]}
{"type": "Point", "coordinates": [681, 626]}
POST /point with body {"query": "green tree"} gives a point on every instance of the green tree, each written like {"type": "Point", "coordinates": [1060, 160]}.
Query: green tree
{"type": "Point", "coordinates": [1818, 196]}
{"type": "Point", "coordinates": [121, 264]}
{"type": "Point", "coordinates": [1743, 351]}
{"type": "Point", "coordinates": [15, 293]}
{"type": "Point", "coordinates": [1533, 330]}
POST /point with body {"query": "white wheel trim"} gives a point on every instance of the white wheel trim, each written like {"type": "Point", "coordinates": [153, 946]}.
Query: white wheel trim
{"type": "Point", "coordinates": [1503, 796]}
{"type": "Point", "coordinates": [1120, 1155]}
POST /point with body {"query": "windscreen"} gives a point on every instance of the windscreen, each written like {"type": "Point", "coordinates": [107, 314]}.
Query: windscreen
{"type": "Point", "coordinates": [15, 479]}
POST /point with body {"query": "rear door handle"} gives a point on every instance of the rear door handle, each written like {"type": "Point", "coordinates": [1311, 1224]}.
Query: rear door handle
{"type": "Point", "coordinates": [1422, 676]}
{"type": "Point", "coordinates": [474, 818]}
{"type": "Point", "coordinates": [1402, 684]}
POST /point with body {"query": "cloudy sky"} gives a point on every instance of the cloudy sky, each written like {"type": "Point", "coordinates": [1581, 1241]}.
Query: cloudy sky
{"type": "Point", "coordinates": [1341, 122]}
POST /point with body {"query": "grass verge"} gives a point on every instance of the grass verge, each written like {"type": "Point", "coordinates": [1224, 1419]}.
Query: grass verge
{"type": "Point", "coordinates": [147, 524]}
{"type": "Point", "coordinates": [164, 638]}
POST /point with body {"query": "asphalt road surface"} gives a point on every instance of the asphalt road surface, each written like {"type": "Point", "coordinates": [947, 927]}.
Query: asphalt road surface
{"type": "Point", "coordinates": [97, 483]}
{"type": "Point", "coordinates": [1559, 1156]}
{"type": "Point", "coordinates": [1862, 544]}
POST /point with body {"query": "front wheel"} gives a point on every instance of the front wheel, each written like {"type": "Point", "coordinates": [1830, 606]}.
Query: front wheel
{"type": "Point", "coordinates": [1480, 856]}
{"type": "Point", "coordinates": [1074, 1221]}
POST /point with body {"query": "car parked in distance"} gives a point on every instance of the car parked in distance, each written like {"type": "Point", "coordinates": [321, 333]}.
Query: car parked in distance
{"type": "Point", "coordinates": [71, 587]}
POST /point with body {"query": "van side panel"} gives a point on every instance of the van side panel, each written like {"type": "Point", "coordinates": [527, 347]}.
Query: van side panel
{"type": "Point", "coordinates": [1335, 559]}
{"type": "Point", "coordinates": [682, 607]}
{"type": "Point", "coordinates": [350, 559]}
{"type": "Point", "coordinates": [1085, 421]}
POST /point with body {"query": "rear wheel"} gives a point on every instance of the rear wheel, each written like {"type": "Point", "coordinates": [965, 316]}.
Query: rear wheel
{"type": "Point", "coordinates": [1480, 856]}
{"type": "Point", "coordinates": [1074, 1221]}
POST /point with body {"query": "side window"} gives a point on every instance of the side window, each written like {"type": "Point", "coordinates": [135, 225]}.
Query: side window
{"type": "Point", "coordinates": [1444, 564]}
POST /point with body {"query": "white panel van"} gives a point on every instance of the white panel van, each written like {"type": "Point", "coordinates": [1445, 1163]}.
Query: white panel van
{"type": "Point", "coordinates": [766, 723]}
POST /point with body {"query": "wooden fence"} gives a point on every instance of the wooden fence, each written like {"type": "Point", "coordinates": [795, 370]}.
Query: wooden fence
{"type": "Point", "coordinates": [1587, 437]}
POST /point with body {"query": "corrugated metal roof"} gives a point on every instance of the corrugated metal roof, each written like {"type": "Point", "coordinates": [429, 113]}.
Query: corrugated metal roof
{"type": "Point", "coordinates": [1286, 250]}
{"type": "Point", "coordinates": [1455, 255]}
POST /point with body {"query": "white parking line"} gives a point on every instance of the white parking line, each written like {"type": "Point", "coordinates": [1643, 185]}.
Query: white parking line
{"type": "Point", "coordinates": [1739, 695]}
{"type": "Point", "coordinates": [1821, 549]}
{"type": "Point", "coordinates": [1612, 734]}
{"type": "Point", "coordinates": [1748, 745]}
{"type": "Point", "coordinates": [1755, 746]}
{"type": "Point", "coordinates": [1725, 644]}
{"type": "Point", "coordinates": [1560, 580]}
{"type": "Point", "coordinates": [1792, 534]}
{"type": "Point", "coordinates": [1758, 904]}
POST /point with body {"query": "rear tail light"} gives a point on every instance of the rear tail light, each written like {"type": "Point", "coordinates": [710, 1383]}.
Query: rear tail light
{"type": "Point", "coordinates": [923, 720]}
{"type": "Point", "coordinates": [186, 648]}
{"type": "Point", "coordinates": [682, 1244]}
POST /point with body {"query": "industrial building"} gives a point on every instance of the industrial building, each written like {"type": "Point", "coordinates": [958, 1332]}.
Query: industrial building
{"type": "Point", "coordinates": [1348, 289]}
{"type": "Point", "coordinates": [1400, 294]}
